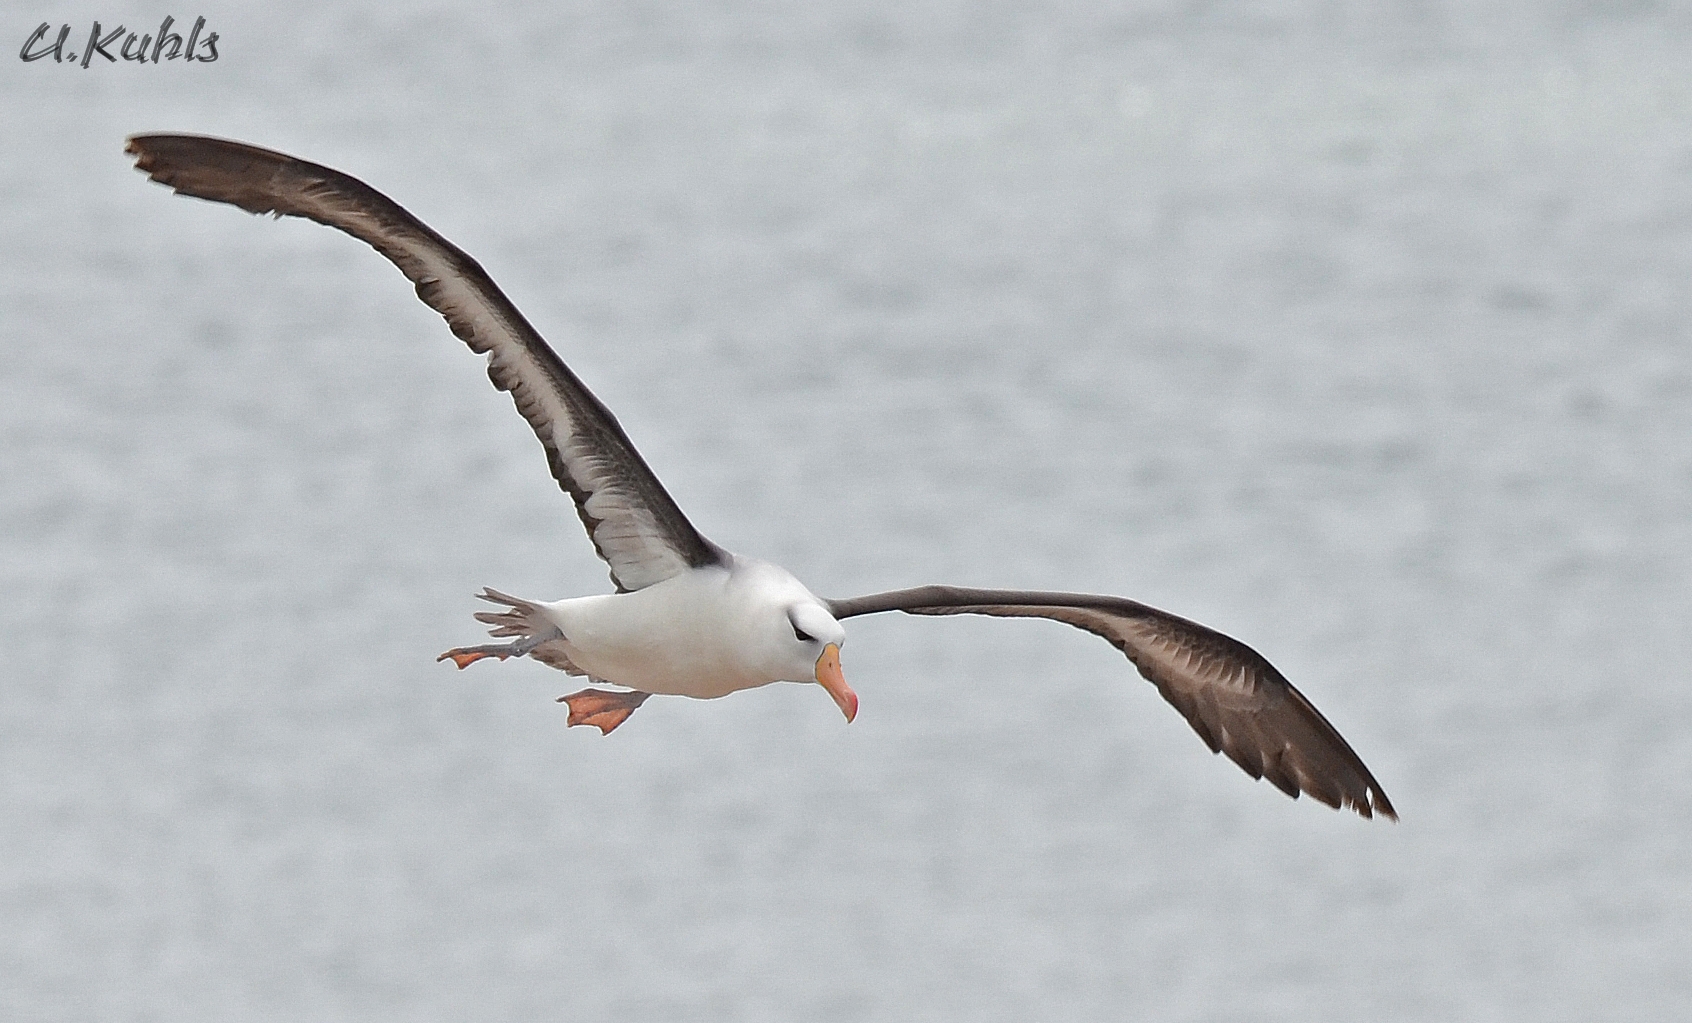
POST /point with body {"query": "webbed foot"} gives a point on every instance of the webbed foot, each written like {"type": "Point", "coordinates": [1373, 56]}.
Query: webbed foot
{"type": "Point", "coordinates": [602, 708]}
{"type": "Point", "coordinates": [464, 656]}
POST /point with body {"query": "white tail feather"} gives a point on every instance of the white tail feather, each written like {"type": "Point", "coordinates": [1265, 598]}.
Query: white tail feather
{"type": "Point", "coordinates": [525, 618]}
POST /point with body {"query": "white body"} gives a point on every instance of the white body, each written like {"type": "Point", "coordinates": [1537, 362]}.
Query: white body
{"type": "Point", "coordinates": [704, 633]}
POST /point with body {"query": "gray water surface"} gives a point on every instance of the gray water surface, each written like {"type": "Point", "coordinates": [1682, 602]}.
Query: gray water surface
{"type": "Point", "coordinates": [1359, 334]}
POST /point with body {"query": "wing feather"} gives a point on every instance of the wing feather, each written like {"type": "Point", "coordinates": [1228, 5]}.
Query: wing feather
{"type": "Point", "coordinates": [1236, 701]}
{"type": "Point", "coordinates": [633, 522]}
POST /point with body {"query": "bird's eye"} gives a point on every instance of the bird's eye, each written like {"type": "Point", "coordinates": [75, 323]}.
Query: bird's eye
{"type": "Point", "coordinates": [800, 634]}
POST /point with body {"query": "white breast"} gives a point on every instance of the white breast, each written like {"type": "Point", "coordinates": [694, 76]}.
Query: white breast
{"type": "Point", "coordinates": [703, 633]}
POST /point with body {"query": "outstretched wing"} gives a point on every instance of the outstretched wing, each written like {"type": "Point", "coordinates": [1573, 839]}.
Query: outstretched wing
{"type": "Point", "coordinates": [1234, 698]}
{"type": "Point", "coordinates": [634, 524]}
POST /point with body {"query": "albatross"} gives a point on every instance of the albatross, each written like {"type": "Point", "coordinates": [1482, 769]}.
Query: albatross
{"type": "Point", "coordinates": [687, 617]}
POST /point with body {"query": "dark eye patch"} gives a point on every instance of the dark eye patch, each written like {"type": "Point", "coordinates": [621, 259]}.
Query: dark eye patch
{"type": "Point", "coordinates": [800, 634]}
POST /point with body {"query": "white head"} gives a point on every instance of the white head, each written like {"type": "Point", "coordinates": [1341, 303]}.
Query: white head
{"type": "Point", "coordinates": [815, 644]}
{"type": "Point", "coordinates": [796, 637]}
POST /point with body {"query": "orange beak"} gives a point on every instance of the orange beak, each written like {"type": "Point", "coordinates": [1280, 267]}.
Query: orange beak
{"type": "Point", "coordinates": [830, 678]}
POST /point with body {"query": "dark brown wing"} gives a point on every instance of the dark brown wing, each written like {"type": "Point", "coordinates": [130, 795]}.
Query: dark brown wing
{"type": "Point", "coordinates": [634, 524]}
{"type": "Point", "coordinates": [1234, 698]}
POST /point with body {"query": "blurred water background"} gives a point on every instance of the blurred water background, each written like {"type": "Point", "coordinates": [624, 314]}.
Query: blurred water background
{"type": "Point", "coordinates": [1359, 331]}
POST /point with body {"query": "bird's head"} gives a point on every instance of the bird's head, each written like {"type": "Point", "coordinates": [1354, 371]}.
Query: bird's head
{"type": "Point", "coordinates": [814, 642]}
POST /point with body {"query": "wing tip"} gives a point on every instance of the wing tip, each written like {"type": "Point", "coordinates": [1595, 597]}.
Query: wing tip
{"type": "Point", "coordinates": [1371, 804]}
{"type": "Point", "coordinates": [152, 150]}
{"type": "Point", "coordinates": [1379, 803]}
{"type": "Point", "coordinates": [210, 168]}
{"type": "Point", "coordinates": [1368, 803]}
{"type": "Point", "coordinates": [146, 157]}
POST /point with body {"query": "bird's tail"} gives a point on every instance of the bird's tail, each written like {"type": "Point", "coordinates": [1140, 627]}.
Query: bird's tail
{"type": "Point", "coordinates": [526, 619]}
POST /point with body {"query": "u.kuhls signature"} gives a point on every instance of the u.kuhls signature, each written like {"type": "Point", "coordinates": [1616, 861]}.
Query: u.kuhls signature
{"type": "Point", "coordinates": [141, 49]}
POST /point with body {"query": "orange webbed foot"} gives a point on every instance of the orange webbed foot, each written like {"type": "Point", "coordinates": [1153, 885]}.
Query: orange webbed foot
{"type": "Point", "coordinates": [602, 708]}
{"type": "Point", "coordinates": [465, 656]}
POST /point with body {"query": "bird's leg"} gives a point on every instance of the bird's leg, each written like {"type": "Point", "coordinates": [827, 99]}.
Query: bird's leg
{"type": "Point", "coordinates": [465, 656]}
{"type": "Point", "coordinates": [602, 708]}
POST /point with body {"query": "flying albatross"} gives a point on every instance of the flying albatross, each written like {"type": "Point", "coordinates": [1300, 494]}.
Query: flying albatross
{"type": "Point", "coordinates": [689, 618]}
